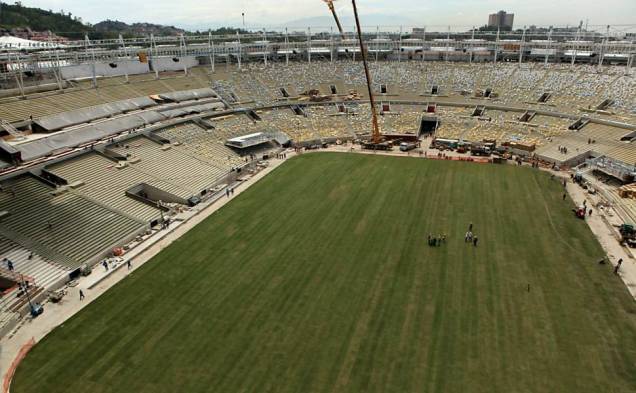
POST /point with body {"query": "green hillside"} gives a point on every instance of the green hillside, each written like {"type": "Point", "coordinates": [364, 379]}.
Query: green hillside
{"type": "Point", "coordinates": [17, 16]}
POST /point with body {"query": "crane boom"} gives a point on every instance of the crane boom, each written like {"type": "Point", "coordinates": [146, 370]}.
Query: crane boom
{"type": "Point", "coordinates": [376, 137]}
{"type": "Point", "coordinates": [335, 17]}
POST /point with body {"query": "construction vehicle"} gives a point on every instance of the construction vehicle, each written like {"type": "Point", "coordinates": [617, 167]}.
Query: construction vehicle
{"type": "Point", "coordinates": [406, 146]}
{"type": "Point", "coordinates": [377, 146]}
{"type": "Point", "coordinates": [463, 147]}
{"type": "Point", "coordinates": [578, 178]}
{"type": "Point", "coordinates": [628, 235]}
{"type": "Point", "coordinates": [579, 212]}
{"type": "Point", "coordinates": [445, 144]}
{"type": "Point", "coordinates": [480, 149]}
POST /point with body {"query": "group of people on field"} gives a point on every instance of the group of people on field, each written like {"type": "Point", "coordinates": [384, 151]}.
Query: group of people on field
{"type": "Point", "coordinates": [470, 237]}
{"type": "Point", "coordinates": [436, 241]}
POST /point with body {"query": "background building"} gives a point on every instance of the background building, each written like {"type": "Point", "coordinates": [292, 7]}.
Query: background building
{"type": "Point", "coordinates": [501, 20]}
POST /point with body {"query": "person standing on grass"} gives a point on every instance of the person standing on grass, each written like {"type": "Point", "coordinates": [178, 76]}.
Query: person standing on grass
{"type": "Point", "coordinates": [564, 195]}
{"type": "Point", "coordinates": [470, 227]}
{"type": "Point", "coordinates": [475, 240]}
{"type": "Point", "coordinates": [81, 293]}
{"type": "Point", "coordinates": [618, 265]}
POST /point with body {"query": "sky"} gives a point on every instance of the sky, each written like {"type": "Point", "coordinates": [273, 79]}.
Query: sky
{"type": "Point", "coordinates": [197, 14]}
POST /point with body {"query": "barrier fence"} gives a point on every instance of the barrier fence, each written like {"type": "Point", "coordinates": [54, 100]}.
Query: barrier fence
{"type": "Point", "coordinates": [436, 156]}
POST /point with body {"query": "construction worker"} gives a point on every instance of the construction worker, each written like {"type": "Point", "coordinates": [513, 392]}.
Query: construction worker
{"type": "Point", "coordinates": [618, 265]}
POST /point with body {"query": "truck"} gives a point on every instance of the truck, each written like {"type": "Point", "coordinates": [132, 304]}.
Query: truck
{"type": "Point", "coordinates": [445, 144]}
{"type": "Point", "coordinates": [406, 146]}
{"type": "Point", "coordinates": [480, 150]}
{"type": "Point", "coordinates": [628, 235]}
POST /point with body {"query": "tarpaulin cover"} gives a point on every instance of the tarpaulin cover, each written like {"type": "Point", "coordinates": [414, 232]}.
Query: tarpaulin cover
{"type": "Point", "coordinates": [85, 115]}
{"type": "Point", "coordinates": [69, 139]}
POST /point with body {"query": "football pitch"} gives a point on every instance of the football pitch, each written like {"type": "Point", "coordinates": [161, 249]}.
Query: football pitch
{"type": "Point", "coordinates": [319, 278]}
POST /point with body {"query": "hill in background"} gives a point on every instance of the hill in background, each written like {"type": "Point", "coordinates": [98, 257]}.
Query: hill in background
{"type": "Point", "coordinates": [136, 29]}
{"type": "Point", "coordinates": [29, 23]}
{"type": "Point", "coordinates": [20, 18]}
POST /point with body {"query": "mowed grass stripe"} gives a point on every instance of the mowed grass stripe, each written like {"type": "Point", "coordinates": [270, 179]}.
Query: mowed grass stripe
{"type": "Point", "coordinates": [319, 279]}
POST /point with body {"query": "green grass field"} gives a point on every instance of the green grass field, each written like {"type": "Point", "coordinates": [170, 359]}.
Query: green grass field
{"type": "Point", "coordinates": [319, 279]}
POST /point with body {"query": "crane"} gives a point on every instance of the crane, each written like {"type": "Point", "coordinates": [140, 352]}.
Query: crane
{"type": "Point", "coordinates": [376, 137]}
{"type": "Point", "coordinates": [335, 16]}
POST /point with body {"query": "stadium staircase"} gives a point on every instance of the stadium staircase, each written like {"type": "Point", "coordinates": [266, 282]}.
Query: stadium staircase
{"type": "Point", "coordinates": [38, 270]}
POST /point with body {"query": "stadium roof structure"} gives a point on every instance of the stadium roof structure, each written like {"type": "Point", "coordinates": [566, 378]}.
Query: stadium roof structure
{"type": "Point", "coordinates": [74, 138]}
{"type": "Point", "coordinates": [11, 42]}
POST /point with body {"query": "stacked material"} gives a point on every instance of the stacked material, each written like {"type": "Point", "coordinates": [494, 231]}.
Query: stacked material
{"type": "Point", "coordinates": [628, 191]}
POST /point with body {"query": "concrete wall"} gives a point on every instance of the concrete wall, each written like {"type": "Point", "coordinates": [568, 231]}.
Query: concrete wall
{"type": "Point", "coordinates": [123, 67]}
{"type": "Point", "coordinates": [169, 64]}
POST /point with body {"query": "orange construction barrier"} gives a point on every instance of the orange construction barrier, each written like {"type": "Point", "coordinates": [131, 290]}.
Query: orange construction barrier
{"type": "Point", "coordinates": [14, 365]}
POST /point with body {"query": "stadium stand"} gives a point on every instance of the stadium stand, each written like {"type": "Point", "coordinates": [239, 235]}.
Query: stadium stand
{"type": "Point", "coordinates": [105, 181]}
{"type": "Point", "coordinates": [169, 167]}
{"type": "Point", "coordinates": [202, 143]}
{"type": "Point", "coordinates": [58, 223]}
{"type": "Point", "coordinates": [171, 136]}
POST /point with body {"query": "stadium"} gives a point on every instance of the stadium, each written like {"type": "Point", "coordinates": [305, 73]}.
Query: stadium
{"type": "Point", "coordinates": [218, 213]}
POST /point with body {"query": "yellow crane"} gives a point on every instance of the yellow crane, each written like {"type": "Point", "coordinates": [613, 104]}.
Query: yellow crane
{"type": "Point", "coordinates": [335, 16]}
